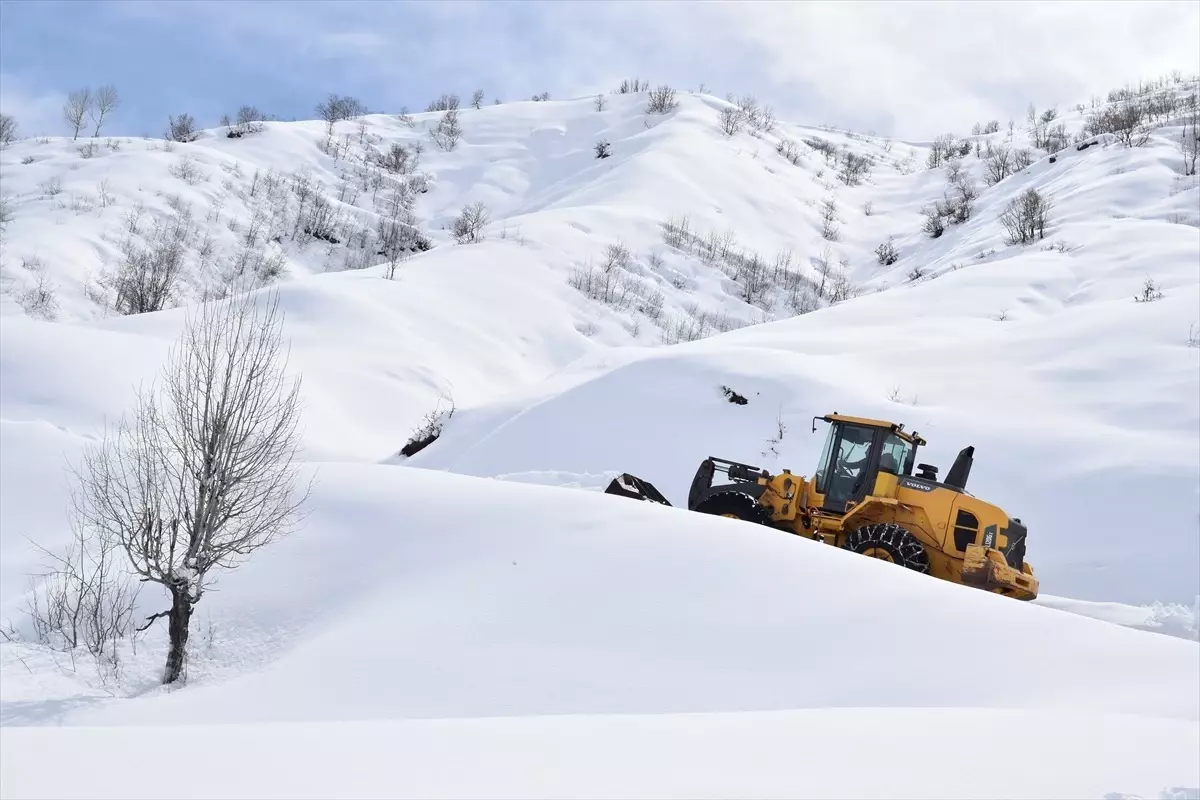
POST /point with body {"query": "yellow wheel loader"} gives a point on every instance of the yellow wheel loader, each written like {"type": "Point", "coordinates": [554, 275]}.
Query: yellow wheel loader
{"type": "Point", "coordinates": [865, 497]}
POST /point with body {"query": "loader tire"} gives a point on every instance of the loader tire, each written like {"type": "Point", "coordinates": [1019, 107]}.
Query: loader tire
{"type": "Point", "coordinates": [889, 542]}
{"type": "Point", "coordinates": [735, 505]}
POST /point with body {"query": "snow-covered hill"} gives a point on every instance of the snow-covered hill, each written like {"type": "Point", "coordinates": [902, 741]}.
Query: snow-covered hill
{"type": "Point", "coordinates": [592, 332]}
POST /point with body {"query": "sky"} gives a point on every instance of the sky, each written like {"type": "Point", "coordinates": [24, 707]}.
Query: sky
{"type": "Point", "coordinates": [907, 69]}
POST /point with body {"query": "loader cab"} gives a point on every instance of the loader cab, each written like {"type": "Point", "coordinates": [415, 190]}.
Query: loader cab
{"type": "Point", "coordinates": [856, 450]}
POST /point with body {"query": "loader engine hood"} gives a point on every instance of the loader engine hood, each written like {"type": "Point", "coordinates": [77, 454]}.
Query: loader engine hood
{"type": "Point", "coordinates": [1009, 540]}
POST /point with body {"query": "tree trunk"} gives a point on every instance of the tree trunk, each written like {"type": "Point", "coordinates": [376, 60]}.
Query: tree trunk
{"type": "Point", "coordinates": [177, 628]}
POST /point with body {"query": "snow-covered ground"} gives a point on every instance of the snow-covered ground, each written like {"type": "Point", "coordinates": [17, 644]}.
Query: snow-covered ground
{"type": "Point", "coordinates": [626, 648]}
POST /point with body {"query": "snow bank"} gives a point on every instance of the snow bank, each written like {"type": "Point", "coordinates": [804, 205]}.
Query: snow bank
{"type": "Point", "coordinates": [821, 753]}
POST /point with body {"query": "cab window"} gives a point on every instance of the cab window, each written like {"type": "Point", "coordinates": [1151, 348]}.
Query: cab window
{"type": "Point", "coordinates": [895, 453]}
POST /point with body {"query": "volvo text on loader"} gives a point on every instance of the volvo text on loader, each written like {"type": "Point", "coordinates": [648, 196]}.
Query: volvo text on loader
{"type": "Point", "coordinates": [864, 497]}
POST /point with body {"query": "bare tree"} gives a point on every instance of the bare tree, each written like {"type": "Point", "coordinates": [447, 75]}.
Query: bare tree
{"type": "Point", "coordinates": [336, 108]}
{"type": "Point", "coordinates": [8, 130]}
{"type": "Point", "coordinates": [104, 102]}
{"type": "Point", "coordinates": [601, 102]}
{"type": "Point", "coordinates": [477, 99]}
{"type": "Point", "coordinates": [1189, 134]}
{"type": "Point", "coordinates": [1025, 217]}
{"type": "Point", "coordinates": [468, 226]}
{"type": "Point", "coordinates": [940, 150]}
{"type": "Point", "coordinates": [79, 102]}
{"type": "Point", "coordinates": [201, 474]}
{"type": "Point", "coordinates": [447, 132]}
{"type": "Point", "coordinates": [998, 163]}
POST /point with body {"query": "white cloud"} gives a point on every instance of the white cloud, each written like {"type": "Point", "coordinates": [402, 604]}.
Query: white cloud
{"type": "Point", "coordinates": [912, 69]}
{"type": "Point", "coordinates": [36, 112]}
{"type": "Point", "coordinates": [940, 66]}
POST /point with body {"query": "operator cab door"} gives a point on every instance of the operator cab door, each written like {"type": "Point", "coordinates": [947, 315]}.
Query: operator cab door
{"type": "Point", "coordinates": [848, 466]}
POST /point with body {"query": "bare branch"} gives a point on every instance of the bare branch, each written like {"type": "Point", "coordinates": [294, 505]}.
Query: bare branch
{"type": "Point", "coordinates": [106, 100]}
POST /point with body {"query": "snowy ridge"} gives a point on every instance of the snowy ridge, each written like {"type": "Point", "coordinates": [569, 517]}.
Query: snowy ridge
{"type": "Point", "coordinates": [591, 332]}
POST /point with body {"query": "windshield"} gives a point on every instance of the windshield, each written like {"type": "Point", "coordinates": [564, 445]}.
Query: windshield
{"type": "Point", "coordinates": [853, 448]}
{"type": "Point", "coordinates": [894, 458]}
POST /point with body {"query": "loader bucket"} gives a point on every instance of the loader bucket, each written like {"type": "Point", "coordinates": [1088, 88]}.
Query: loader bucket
{"type": "Point", "coordinates": [626, 485]}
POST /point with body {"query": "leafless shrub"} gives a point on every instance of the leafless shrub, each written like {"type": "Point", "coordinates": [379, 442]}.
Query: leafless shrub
{"type": "Point", "coordinates": [447, 132]}
{"type": "Point", "coordinates": [830, 230]}
{"type": "Point", "coordinates": [601, 102]}
{"type": "Point", "coordinates": [447, 102]}
{"type": "Point", "coordinates": [51, 186]}
{"type": "Point", "coordinates": [868, 208]}
{"type": "Point", "coordinates": [477, 99]}
{"type": "Point", "coordinates": [766, 119]}
{"type": "Point", "coordinates": [249, 120]}
{"type": "Point", "coordinates": [112, 144]}
{"type": "Point", "coordinates": [88, 150]}
{"type": "Point", "coordinates": [103, 103]}
{"type": "Point", "coordinates": [933, 226]}
{"type": "Point", "coordinates": [187, 170]}
{"type": "Point", "coordinates": [396, 159]}
{"type": "Point", "coordinates": [202, 473]}
{"type": "Point", "coordinates": [633, 86]}
{"type": "Point", "coordinates": [468, 226]}
{"type": "Point", "coordinates": [541, 97]}
{"type": "Point", "coordinates": [39, 301]}
{"type": "Point", "coordinates": [1025, 217]}
{"type": "Point", "coordinates": [959, 199]}
{"type": "Point", "coordinates": [28, 160]}
{"type": "Point", "coordinates": [915, 274]}
{"type": "Point", "coordinates": [83, 598]}
{"type": "Point", "coordinates": [8, 130]}
{"type": "Point", "coordinates": [730, 120]}
{"type": "Point", "coordinates": [430, 427]}
{"type": "Point", "coordinates": [662, 100]}
{"type": "Point", "coordinates": [1193, 337]}
{"type": "Point", "coordinates": [405, 118]}
{"type": "Point", "coordinates": [748, 105]}
{"type": "Point", "coordinates": [998, 163]}
{"type": "Point", "coordinates": [1021, 158]}
{"type": "Point", "coordinates": [147, 276]}
{"type": "Point", "coordinates": [886, 253]}
{"type": "Point", "coordinates": [853, 168]}
{"type": "Point", "coordinates": [824, 147]}
{"type": "Point", "coordinates": [1150, 292]}
{"type": "Point", "coordinates": [182, 129]}
{"type": "Point", "coordinates": [789, 150]}
{"type": "Point", "coordinates": [1125, 120]}
{"type": "Point", "coordinates": [75, 109]}
{"type": "Point", "coordinates": [609, 283]}
{"type": "Point", "coordinates": [603, 149]}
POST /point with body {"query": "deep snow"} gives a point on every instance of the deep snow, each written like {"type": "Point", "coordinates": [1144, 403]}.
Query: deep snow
{"type": "Point", "coordinates": [417, 593]}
